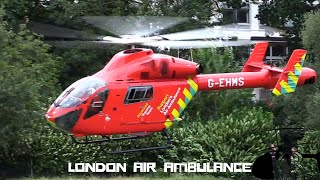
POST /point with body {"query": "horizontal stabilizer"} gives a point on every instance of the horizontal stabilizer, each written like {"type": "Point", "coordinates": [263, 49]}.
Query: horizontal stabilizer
{"type": "Point", "coordinates": [288, 80]}
{"type": "Point", "coordinates": [256, 57]}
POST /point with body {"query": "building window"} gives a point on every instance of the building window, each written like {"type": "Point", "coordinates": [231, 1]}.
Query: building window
{"type": "Point", "coordinates": [242, 16]}
{"type": "Point", "coordinates": [138, 94]}
{"type": "Point", "coordinates": [235, 16]}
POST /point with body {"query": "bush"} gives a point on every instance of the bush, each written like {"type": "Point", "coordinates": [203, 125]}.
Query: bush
{"type": "Point", "coordinates": [238, 137]}
{"type": "Point", "coordinates": [310, 144]}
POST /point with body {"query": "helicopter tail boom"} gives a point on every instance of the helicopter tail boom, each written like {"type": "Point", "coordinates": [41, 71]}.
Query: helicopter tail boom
{"type": "Point", "coordinates": [256, 74]}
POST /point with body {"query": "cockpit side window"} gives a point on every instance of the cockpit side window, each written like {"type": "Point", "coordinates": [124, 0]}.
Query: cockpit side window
{"type": "Point", "coordinates": [97, 104]}
{"type": "Point", "coordinates": [138, 94]}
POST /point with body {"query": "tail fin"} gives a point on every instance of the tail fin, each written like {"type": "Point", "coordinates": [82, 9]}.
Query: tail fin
{"type": "Point", "coordinates": [288, 80]}
{"type": "Point", "coordinates": [256, 58]}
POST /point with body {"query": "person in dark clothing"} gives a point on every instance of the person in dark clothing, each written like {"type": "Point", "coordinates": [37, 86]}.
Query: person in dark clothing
{"type": "Point", "coordinates": [275, 154]}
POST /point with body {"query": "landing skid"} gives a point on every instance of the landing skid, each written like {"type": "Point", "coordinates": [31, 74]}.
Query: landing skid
{"type": "Point", "coordinates": [106, 140]}
{"type": "Point", "coordinates": [136, 150]}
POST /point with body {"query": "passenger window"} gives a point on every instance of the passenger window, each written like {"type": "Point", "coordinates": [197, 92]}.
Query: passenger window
{"type": "Point", "coordinates": [138, 94]}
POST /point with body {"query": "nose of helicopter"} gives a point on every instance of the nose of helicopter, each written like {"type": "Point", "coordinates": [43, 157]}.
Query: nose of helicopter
{"type": "Point", "coordinates": [63, 119]}
{"type": "Point", "coordinates": [50, 120]}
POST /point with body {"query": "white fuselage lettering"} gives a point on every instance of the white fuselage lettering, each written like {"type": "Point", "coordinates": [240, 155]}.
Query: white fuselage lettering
{"type": "Point", "coordinates": [226, 82]}
{"type": "Point", "coordinates": [210, 83]}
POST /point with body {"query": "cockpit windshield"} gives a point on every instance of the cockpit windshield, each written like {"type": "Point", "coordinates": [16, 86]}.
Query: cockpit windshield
{"type": "Point", "coordinates": [79, 92]}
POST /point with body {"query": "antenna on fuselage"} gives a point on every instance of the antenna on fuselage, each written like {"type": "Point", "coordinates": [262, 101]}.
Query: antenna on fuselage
{"type": "Point", "coordinates": [191, 56]}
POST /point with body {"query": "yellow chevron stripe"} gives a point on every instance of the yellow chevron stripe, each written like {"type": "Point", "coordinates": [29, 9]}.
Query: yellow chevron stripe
{"type": "Point", "coordinates": [276, 92]}
{"type": "Point", "coordinates": [182, 104]}
{"type": "Point", "coordinates": [286, 86]}
{"type": "Point", "coordinates": [175, 113]}
{"type": "Point", "coordinates": [298, 67]}
{"type": "Point", "coordinates": [187, 93]}
{"type": "Point", "coordinates": [293, 77]}
{"type": "Point", "coordinates": [168, 123]}
{"type": "Point", "coordinates": [304, 56]}
{"type": "Point", "coordinates": [193, 84]}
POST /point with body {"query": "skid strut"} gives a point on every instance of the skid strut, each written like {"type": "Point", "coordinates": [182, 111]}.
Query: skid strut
{"type": "Point", "coordinates": [104, 141]}
{"type": "Point", "coordinates": [167, 146]}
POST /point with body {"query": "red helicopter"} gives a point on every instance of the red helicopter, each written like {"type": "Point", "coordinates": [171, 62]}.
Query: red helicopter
{"type": "Point", "coordinates": [139, 93]}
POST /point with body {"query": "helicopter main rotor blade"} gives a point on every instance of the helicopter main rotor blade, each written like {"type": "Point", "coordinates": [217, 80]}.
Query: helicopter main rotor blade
{"type": "Point", "coordinates": [54, 31]}
{"type": "Point", "coordinates": [221, 32]}
{"type": "Point", "coordinates": [197, 44]}
{"type": "Point", "coordinates": [80, 44]}
{"type": "Point", "coordinates": [152, 43]}
{"type": "Point", "coordinates": [133, 25]}
{"type": "Point", "coordinates": [197, 34]}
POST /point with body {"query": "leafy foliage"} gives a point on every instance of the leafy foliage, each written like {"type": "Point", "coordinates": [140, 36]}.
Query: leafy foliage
{"type": "Point", "coordinates": [238, 137]}
{"type": "Point", "coordinates": [28, 78]}
{"type": "Point", "coordinates": [279, 13]}
{"type": "Point", "coordinates": [300, 109]}
{"type": "Point", "coordinates": [293, 110]}
{"type": "Point", "coordinates": [310, 144]}
{"type": "Point", "coordinates": [310, 38]}
{"type": "Point", "coordinates": [311, 41]}
{"type": "Point", "coordinates": [211, 105]}
{"type": "Point", "coordinates": [221, 127]}
{"type": "Point", "coordinates": [79, 63]}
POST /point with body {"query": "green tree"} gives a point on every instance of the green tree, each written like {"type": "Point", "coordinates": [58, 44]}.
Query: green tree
{"type": "Point", "coordinates": [241, 136]}
{"type": "Point", "coordinates": [278, 13]}
{"type": "Point", "coordinates": [233, 138]}
{"type": "Point", "coordinates": [28, 78]}
{"type": "Point", "coordinates": [310, 144]}
{"type": "Point", "coordinates": [311, 42]}
{"type": "Point", "coordinates": [309, 37]}
{"type": "Point", "coordinates": [300, 108]}
{"type": "Point", "coordinates": [211, 105]}
{"type": "Point", "coordinates": [78, 63]}
{"type": "Point", "coordinates": [294, 111]}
